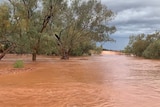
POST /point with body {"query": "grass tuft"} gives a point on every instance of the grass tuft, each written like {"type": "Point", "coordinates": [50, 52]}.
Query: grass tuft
{"type": "Point", "coordinates": [18, 64]}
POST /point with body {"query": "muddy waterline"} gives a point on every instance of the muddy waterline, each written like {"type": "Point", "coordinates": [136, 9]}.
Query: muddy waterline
{"type": "Point", "coordinates": [109, 80]}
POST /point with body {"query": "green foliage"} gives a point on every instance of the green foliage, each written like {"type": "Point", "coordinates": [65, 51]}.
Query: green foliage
{"type": "Point", "coordinates": [139, 47]}
{"type": "Point", "coordinates": [98, 50]}
{"type": "Point", "coordinates": [80, 28]}
{"type": "Point", "coordinates": [47, 45]}
{"type": "Point", "coordinates": [153, 50]}
{"type": "Point", "coordinates": [18, 64]}
{"type": "Point", "coordinates": [31, 26]}
{"type": "Point", "coordinates": [83, 49]}
{"type": "Point", "coordinates": [147, 46]}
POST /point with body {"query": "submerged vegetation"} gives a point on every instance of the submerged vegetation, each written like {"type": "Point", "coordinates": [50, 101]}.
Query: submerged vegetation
{"type": "Point", "coordinates": [18, 64]}
{"type": "Point", "coordinates": [52, 27]}
{"type": "Point", "coordinates": [147, 46]}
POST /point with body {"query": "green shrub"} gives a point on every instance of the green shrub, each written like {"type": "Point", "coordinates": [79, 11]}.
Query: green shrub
{"type": "Point", "coordinates": [153, 50]}
{"type": "Point", "coordinates": [82, 48]}
{"type": "Point", "coordinates": [147, 46]}
{"type": "Point", "coordinates": [98, 50]}
{"type": "Point", "coordinates": [139, 47]}
{"type": "Point", "coordinates": [19, 64]}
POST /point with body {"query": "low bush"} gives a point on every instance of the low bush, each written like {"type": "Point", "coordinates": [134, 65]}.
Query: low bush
{"type": "Point", "coordinates": [153, 50]}
{"type": "Point", "coordinates": [18, 64]}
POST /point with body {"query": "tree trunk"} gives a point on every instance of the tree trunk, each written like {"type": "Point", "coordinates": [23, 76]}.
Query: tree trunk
{"type": "Point", "coordinates": [65, 55]}
{"type": "Point", "coordinates": [6, 51]}
{"type": "Point", "coordinates": [2, 55]}
{"type": "Point", "coordinates": [34, 56]}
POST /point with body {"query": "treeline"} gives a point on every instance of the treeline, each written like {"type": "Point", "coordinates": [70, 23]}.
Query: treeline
{"type": "Point", "coordinates": [61, 27]}
{"type": "Point", "coordinates": [147, 46]}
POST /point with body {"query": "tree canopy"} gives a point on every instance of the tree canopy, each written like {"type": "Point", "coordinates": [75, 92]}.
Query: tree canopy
{"type": "Point", "coordinates": [61, 27]}
{"type": "Point", "coordinates": [147, 46]}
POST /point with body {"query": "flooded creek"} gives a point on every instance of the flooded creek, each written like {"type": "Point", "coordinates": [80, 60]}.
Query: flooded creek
{"type": "Point", "coordinates": [109, 80]}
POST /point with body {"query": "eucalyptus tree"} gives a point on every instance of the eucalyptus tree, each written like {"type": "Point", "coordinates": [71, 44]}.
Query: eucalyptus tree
{"type": "Point", "coordinates": [33, 17]}
{"type": "Point", "coordinates": [6, 43]}
{"type": "Point", "coordinates": [82, 22]}
{"type": "Point", "coordinates": [23, 15]}
{"type": "Point", "coordinates": [73, 24]}
{"type": "Point", "coordinates": [144, 45]}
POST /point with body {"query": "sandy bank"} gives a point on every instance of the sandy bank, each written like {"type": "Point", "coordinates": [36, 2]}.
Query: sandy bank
{"type": "Point", "coordinates": [110, 53]}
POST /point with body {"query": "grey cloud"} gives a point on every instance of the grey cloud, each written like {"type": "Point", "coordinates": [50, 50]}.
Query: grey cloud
{"type": "Point", "coordinates": [119, 5]}
{"type": "Point", "coordinates": [135, 16]}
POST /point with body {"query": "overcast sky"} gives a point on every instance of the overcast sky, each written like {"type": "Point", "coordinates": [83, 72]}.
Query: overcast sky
{"type": "Point", "coordinates": [135, 16]}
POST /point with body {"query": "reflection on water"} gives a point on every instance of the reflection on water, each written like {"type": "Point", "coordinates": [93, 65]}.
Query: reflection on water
{"type": "Point", "coordinates": [109, 80]}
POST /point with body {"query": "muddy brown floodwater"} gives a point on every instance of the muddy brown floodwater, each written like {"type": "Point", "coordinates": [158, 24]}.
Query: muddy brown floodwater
{"type": "Point", "coordinates": [108, 80]}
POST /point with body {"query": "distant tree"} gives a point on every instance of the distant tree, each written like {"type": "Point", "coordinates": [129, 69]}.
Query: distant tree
{"type": "Point", "coordinates": [145, 45]}
{"type": "Point", "coordinates": [128, 49]}
{"type": "Point", "coordinates": [137, 45]}
{"type": "Point", "coordinates": [153, 50]}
